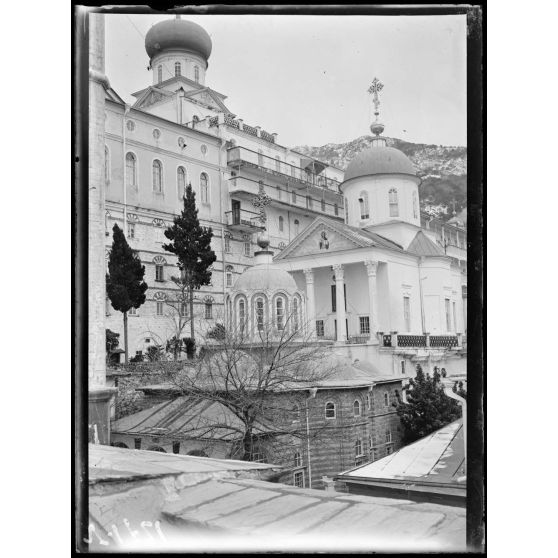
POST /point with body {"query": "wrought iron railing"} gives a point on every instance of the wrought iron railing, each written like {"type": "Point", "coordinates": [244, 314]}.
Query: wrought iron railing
{"type": "Point", "coordinates": [386, 340]}
{"type": "Point", "coordinates": [247, 157]}
{"type": "Point", "coordinates": [443, 341]}
{"type": "Point", "coordinates": [243, 217]}
{"type": "Point", "coordinates": [411, 340]}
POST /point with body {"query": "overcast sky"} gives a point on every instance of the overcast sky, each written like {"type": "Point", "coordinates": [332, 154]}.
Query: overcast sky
{"type": "Point", "coordinates": [306, 77]}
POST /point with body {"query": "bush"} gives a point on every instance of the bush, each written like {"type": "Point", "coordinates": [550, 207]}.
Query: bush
{"type": "Point", "coordinates": [190, 345]}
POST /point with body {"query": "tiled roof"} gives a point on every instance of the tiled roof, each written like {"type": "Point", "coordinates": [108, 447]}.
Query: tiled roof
{"type": "Point", "coordinates": [421, 245]}
{"type": "Point", "coordinates": [438, 458]}
{"type": "Point", "coordinates": [140, 500]}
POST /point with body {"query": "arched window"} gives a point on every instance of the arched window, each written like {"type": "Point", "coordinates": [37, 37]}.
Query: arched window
{"type": "Point", "coordinates": [204, 188]}
{"type": "Point", "coordinates": [131, 169]}
{"type": "Point", "coordinates": [196, 74]}
{"type": "Point", "coordinates": [297, 459]}
{"type": "Point", "coordinates": [296, 227]}
{"type": "Point", "coordinates": [368, 401]}
{"type": "Point", "coordinates": [181, 182]}
{"type": "Point", "coordinates": [296, 317]}
{"type": "Point", "coordinates": [260, 310]}
{"type": "Point", "coordinates": [107, 165]}
{"type": "Point", "coordinates": [229, 275]}
{"type": "Point", "coordinates": [358, 447]}
{"type": "Point", "coordinates": [159, 74]}
{"type": "Point", "coordinates": [157, 176]}
{"type": "Point", "coordinates": [330, 410]}
{"type": "Point", "coordinates": [386, 399]}
{"type": "Point", "coordinates": [227, 242]}
{"type": "Point", "coordinates": [393, 203]}
{"type": "Point", "coordinates": [177, 69]}
{"type": "Point", "coordinates": [415, 205]}
{"type": "Point", "coordinates": [208, 309]}
{"type": "Point", "coordinates": [356, 408]}
{"type": "Point", "coordinates": [281, 223]}
{"type": "Point", "coordinates": [364, 205]}
{"type": "Point", "coordinates": [280, 312]}
{"type": "Point", "coordinates": [156, 448]}
{"type": "Point", "coordinates": [241, 315]}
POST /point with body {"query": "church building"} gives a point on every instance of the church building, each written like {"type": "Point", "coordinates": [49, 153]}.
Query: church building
{"type": "Point", "coordinates": [368, 271]}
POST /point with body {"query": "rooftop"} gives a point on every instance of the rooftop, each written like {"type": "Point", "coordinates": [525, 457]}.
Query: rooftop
{"type": "Point", "coordinates": [154, 501]}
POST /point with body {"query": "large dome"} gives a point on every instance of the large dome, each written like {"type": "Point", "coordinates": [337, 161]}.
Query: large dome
{"type": "Point", "coordinates": [177, 34]}
{"type": "Point", "coordinates": [379, 160]}
{"type": "Point", "coordinates": [265, 277]}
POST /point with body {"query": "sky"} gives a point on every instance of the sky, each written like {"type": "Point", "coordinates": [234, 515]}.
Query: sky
{"type": "Point", "coordinates": [306, 77]}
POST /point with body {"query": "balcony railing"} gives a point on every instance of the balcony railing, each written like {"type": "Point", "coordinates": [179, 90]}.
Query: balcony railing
{"type": "Point", "coordinates": [443, 341]}
{"type": "Point", "coordinates": [420, 341]}
{"type": "Point", "coordinates": [243, 220]}
{"type": "Point", "coordinates": [358, 339]}
{"type": "Point", "coordinates": [411, 340]}
{"type": "Point", "coordinates": [240, 156]}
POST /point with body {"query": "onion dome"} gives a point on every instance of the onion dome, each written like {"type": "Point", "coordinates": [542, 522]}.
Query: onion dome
{"type": "Point", "coordinates": [379, 160]}
{"type": "Point", "coordinates": [178, 34]}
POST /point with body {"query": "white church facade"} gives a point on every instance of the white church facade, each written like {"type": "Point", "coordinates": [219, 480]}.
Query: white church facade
{"type": "Point", "coordinates": [367, 271]}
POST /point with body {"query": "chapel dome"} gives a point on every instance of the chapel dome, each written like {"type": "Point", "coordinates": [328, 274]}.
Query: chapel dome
{"type": "Point", "coordinates": [177, 34]}
{"type": "Point", "coordinates": [265, 277]}
{"type": "Point", "coordinates": [379, 160]}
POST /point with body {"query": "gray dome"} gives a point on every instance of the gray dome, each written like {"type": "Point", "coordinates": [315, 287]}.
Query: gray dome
{"type": "Point", "coordinates": [177, 34]}
{"type": "Point", "coordinates": [265, 277]}
{"type": "Point", "coordinates": [379, 160]}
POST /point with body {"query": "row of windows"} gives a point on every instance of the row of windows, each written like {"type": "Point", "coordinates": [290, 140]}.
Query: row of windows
{"type": "Point", "coordinates": [364, 204]}
{"type": "Point", "coordinates": [177, 72]}
{"type": "Point", "coordinates": [157, 176]}
{"type": "Point", "coordinates": [183, 309]}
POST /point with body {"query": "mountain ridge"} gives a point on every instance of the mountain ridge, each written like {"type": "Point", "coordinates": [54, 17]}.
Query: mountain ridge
{"type": "Point", "coordinates": [443, 169]}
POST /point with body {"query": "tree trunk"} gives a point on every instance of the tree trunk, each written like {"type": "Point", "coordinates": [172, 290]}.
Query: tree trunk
{"type": "Point", "coordinates": [191, 295]}
{"type": "Point", "coordinates": [125, 337]}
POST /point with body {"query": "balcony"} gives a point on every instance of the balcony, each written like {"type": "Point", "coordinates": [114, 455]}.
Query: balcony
{"type": "Point", "coordinates": [240, 157]}
{"type": "Point", "coordinates": [426, 341]}
{"type": "Point", "coordinates": [243, 221]}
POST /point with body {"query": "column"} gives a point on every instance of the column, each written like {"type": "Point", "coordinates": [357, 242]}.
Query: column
{"type": "Point", "coordinates": [310, 303]}
{"type": "Point", "coordinates": [371, 268]}
{"type": "Point", "coordinates": [340, 302]}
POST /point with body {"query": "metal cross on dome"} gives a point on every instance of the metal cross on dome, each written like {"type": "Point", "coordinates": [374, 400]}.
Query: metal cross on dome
{"type": "Point", "coordinates": [374, 89]}
{"type": "Point", "coordinates": [260, 202]}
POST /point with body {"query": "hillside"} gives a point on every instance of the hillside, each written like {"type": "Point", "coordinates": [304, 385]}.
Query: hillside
{"type": "Point", "coordinates": [443, 169]}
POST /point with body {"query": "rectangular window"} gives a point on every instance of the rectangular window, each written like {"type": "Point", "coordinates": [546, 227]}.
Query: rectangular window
{"type": "Point", "coordinates": [247, 247]}
{"type": "Point", "coordinates": [336, 209]}
{"type": "Point", "coordinates": [137, 443]}
{"type": "Point", "coordinates": [159, 274]}
{"type": "Point", "coordinates": [159, 308]}
{"type": "Point", "coordinates": [388, 437]}
{"type": "Point", "coordinates": [364, 325]}
{"type": "Point", "coordinates": [407, 312]}
{"type": "Point", "coordinates": [133, 311]}
{"type": "Point", "coordinates": [389, 450]}
{"type": "Point", "coordinates": [402, 367]}
{"type": "Point", "coordinates": [107, 307]}
{"type": "Point", "coordinates": [293, 196]}
{"type": "Point", "coordinates": [183, 309]}
{"type": "Point", "coordinates": [208, 310]}
{"type": "Point", "coordinates": [454, 317]}
{"type": "Point", "coordinates": [176, 447]}
{"type": "Point", "coordinates": [448, 315]}
{"type": "Point", "coordinates": [227, 244]}
{"type": "Point", "coordinates": [333, 298]}
{"type": "Point", "coordinates": [320, 328]}
{"type": "Point", "coordinates": [309, 202]}
{"type": "Point", "coordinates": [131, 230]}
{"type": "Point", "coordinates": [298, 479]}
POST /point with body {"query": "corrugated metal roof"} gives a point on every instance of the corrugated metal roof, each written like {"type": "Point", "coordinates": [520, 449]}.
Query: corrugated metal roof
{"type": "Point", "coordinates": [421, 245]}
{"type": "Point", "coordinates": [436, 458]}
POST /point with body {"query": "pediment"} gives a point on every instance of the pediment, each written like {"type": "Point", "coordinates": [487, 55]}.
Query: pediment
{"type": "Point", "coordinates": [321, 237]}
{"type": "Point", "coordinates": [151, 97]}
{"type": "Point", "coordinates": [207, 97]}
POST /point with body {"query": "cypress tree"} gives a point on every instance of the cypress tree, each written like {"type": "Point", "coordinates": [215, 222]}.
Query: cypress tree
{"type": "Point", "coordinates": [191, 243]}
{"type": "Point", "coordinates": [125, 285]}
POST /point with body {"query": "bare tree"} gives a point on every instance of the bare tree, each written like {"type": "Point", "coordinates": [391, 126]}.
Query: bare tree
{"type": "Point", "coordinates": [253, 384]}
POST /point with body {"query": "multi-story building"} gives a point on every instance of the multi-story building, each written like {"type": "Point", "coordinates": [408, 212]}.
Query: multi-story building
{"type": "Point", "coordinates": [179, 132]}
